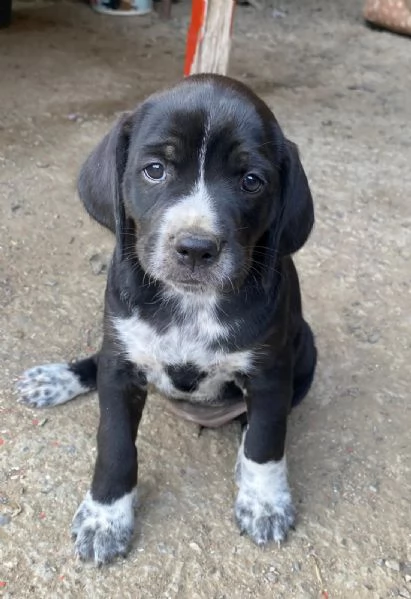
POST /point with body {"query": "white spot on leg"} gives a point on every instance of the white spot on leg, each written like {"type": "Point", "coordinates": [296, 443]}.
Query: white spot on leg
{"type": "Point", "coordinates": [49, 385]}
{"type": "Point", "coordinates": [103, 531]}
{"type": "Point", "coordinates": [263, 508]}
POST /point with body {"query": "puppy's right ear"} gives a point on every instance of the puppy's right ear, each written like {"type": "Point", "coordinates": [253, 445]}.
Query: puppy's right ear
{"type": "Point", "coordinates": [99, 183]}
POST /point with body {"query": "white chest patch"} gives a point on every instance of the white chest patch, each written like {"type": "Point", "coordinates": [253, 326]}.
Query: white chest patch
{"type": "Point", "coordinates": [187, 343]}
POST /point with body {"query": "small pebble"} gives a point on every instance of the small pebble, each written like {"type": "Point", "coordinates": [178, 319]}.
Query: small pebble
{"type": "Point", "coordinates": [407, 578]}
{"type": "Point", "coordinates": [195, 547]}
{"type": "Point", "coordinates": [4, 519]}
{"type": "Point", "coordinates": [70, 449]}
{"type": "Point", "coordinates": [162, 548]}
{"type": "Point", "coordinates": [98, 264]}
{"type": "Point", "coordinates": [373, 337]}
{"type": "Point", "coordinates": [278, 14]}
{"type": "Point", "coordinates": [404, 593]}
{"type": "Point", "coordinates": [393, 564]}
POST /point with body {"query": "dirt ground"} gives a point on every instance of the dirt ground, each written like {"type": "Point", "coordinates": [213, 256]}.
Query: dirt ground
{"type": "Point", "coordinates": [342, 92]}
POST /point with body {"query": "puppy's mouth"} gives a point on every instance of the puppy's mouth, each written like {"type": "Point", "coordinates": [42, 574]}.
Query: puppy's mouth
{"type": "Point", "coordinates": [189, 283]}
{"type": "Point", "coordinates": [189, 286]}
{"type": "Point", "coordinates": [196, 285]}
{"type": "Point", "coordinates": [219, 280]}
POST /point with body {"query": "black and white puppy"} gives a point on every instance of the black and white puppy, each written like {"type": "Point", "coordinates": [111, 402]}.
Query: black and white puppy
{"type": "Point", "coordinates": [207, 200]}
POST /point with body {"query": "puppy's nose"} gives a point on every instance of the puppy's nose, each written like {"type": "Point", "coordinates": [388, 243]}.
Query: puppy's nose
{"type": "Point", "coordinates": [196, 250]}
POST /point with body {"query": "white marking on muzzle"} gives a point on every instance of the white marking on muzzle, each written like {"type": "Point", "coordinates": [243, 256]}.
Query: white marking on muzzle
{"type": "Point", "coordinates": [194, 212]}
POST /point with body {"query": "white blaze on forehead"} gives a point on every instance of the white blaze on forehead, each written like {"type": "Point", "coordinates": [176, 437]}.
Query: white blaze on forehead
{"type": "Point", "coordinates": [203, 150]}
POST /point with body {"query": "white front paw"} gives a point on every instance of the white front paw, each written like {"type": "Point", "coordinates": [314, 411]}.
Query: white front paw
{"type": "Point", "coordinates": [103, 531]}
{"type": "Point", "coordinates": [263, 509]}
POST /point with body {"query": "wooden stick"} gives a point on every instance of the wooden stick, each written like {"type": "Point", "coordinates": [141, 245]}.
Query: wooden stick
{"type": "Point", "coordinates": [209, 37]}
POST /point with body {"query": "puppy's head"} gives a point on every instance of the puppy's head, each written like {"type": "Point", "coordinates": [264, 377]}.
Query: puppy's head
{"type": "Point", "coordinates": [204, 183]}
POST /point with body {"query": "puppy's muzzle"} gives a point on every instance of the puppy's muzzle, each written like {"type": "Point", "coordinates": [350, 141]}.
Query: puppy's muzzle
{"type": "Point", "coordinates": [196, 251]}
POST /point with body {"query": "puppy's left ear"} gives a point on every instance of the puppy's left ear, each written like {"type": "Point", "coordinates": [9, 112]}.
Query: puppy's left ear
{"type": "Point", "coordinates": [101, 176]}
{"type": "Point", "coordinates": [297, 209]}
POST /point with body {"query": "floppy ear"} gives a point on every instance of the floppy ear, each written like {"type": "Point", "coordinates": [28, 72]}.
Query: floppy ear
{"type": "Point", "coordinates": [100, 179]}
{"type": "Point", "coordinates": [297, 210]}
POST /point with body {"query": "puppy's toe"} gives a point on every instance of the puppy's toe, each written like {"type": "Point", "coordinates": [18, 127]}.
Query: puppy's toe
{"type": "Point", "coordinates": [262, 521]}
{"type": "Point", "coordinates": [103, 531]}
{"type": "Point", "coordinates": [49, 385]}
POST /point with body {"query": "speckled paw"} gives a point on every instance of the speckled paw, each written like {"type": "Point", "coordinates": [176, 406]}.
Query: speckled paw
{"type": "Point", "coordinates": [49, 385]}
{"type": "Point", "coordinates": [103, 531]}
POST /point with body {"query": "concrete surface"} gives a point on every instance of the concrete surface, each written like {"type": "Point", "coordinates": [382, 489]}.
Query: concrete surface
{"type": "Point", "coordinates": [342, 93]}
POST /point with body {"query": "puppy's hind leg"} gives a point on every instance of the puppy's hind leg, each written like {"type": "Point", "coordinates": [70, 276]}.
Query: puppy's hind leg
{"type": "Point", "coordinates": [53, 384]}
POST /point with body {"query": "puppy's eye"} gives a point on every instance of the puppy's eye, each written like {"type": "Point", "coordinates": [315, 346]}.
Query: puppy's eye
{"type": "Point", "coordinates": [155, 172]}
{"type": "Point", "coordinates": [251, 183]}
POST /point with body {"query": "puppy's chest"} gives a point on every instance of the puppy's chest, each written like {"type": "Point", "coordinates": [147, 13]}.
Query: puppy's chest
{"type": "Point", "coordinates": [181, 361]}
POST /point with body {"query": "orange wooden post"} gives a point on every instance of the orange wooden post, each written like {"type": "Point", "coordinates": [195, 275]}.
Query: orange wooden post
{"type": "Point", "coordinates": [209, 37]}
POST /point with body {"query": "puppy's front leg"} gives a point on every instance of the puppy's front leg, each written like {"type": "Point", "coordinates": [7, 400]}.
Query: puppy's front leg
{"type": "Point", "coordinates": [264, 508]}
{"type": "Point", "coordinates": [103, 524]}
